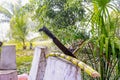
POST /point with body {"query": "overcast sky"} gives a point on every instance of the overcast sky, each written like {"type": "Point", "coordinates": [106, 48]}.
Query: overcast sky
{"type": "Point", "coordinates": [13, 1]}
{"type": "Point", "coordinates": [4, 27]}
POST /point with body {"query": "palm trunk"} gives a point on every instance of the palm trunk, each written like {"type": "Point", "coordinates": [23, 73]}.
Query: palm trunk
{"type": "Point", "coordinates": [24, 46]}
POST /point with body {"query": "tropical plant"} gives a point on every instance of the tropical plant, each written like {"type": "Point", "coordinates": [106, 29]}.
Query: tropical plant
{"type": "Point", "coordinates": [115, 16]}
{"type": "Point", "coordinates": [9, 10]}
{"type": "Point", "coordinates": [103, 45]}
{"type": "Point", "coordinates": [60, 13]}
{"type": "Point", "coordinates": [60, 17]}
{"type": "Point", "coordinates": [19, 28]}
{"type": "Point", "coordinates": [102, 49]}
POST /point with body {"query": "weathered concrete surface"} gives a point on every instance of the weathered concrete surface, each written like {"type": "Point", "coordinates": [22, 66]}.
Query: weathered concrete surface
{"type": "Point", "coordinates": [59, 69]}
{"type": "Point", "coordinates": [52, 68]}
{"type": "Point", "coordinates": [8, 57]}
{"type": "Point", "coordinates": [38, 64]}
{"type": "Point", "coordinates": [8, 75]}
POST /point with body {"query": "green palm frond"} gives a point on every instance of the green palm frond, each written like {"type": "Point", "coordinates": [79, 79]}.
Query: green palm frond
{"type": "Point", "coordinates": [19, 28]}
{"type": "Point", "coordinates": [5, 12]}
{"type": "Point", "coordinates": [101, 3]}
{"type": "Point", "coordinates": [4, 20]}
{"type": "Point", "coordinates": [106, 46]}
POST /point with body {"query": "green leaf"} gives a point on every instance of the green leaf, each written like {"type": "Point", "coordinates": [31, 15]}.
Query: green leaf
{"type": "Point", "coordinates": [5, 12]}
{"type": "Point", "coordinates": [113, 48]}
{"type": "Point", "coordinates": [106, 47]}
{"type": "Point", "coordinates": [101, 44]}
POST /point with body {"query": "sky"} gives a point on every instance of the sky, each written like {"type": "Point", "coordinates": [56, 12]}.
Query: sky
{"type": "Point", "coordinates": [13, 1]}
{"type": "Point", "coordinates": [5, 27]}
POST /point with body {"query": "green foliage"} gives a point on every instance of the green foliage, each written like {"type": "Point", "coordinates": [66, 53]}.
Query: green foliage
{"type": "Point", "coordinates": [24, 60]}
{"type": "Point", "coordinates": [115, 19]}
{"type": "Point", "coordinates": [18, 44]}
{"type": "Point", "coordinates": [19, 29]}
{"type": "Point", "coordinates": [60, 13]}
{"type": "Point", "coordinates": [60, 16]}
{"type": "Point", "coordinates": [104, 44]}
{"type": "Point", "coordinates": [10, 11]}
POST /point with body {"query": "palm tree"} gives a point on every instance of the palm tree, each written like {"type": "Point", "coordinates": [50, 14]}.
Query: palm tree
{"type": "Point", "coordinates": [19, 28]}
{"type": "Point", "coordinates": [10, 10]}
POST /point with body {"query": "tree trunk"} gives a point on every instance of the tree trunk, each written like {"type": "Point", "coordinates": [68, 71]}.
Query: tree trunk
{"type": "Point", "coordinates": [24, 46]}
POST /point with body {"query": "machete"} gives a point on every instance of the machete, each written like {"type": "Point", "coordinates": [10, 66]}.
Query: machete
{"type": "Point", "coordinates": [57, 42]}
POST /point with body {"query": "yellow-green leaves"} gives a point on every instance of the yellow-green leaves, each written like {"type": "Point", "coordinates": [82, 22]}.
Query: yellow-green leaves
{"type": "Point", "coordinates": [101, 3]}
{"type": "Point", "coordinates": [19, 28]}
